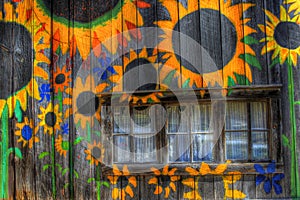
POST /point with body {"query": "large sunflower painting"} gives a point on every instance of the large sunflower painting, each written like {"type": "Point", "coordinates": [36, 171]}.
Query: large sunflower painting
{"type": "Point", "coordinates": [282, 36]}
{"type": "Point", "coordinates": [137, 65]}
{"type": "Point", "coordinates": [87, 24]}
{"type": "Point", "coordinates": [211, 15]}
{"type": "Point", "coordinates": [19, 33]}
{"type": "Point", "coordinates": [86, 103]}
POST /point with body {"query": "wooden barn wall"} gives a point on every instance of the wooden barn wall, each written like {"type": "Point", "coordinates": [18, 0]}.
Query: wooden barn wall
{"type": "Point", "coordinates": [57, 55]}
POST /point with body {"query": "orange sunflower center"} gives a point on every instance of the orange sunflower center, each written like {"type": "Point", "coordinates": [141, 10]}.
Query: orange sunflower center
{"type": "Point", "coordinates": [15, 57]}
{"type": "Point", "coordinates": [87, 103]}
{"type": "Point", "coordinates": [81, 11]}
{"type": "Point", "coordinates": [60, 79]}
{"type": "Point", "coordinates": [96, 152]}
{"type": "Point", "coordinates": [287, 35]}
{"type": "Point", "coordinates": [50, 119]}
{"type": "Point", "coordinates": [210, 20]}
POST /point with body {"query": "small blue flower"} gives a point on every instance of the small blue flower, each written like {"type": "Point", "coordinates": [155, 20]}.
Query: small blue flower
{"type": "Point", "coordinates": [268, 184]}
{"type": "Point", "coordinates": [105, 68]}
{"type": "Point", "coordinates": [45, 92]}
{"type": "Point", "coordinates": [65, 128]}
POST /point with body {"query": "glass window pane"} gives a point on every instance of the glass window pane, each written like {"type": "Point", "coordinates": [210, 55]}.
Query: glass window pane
{"type": "Point", "coordinates": [179, 148]}
{"type": "Point", "coordinates": [177, 119]}
{"type": "Point", "coordinates": [236, 145]}
{"type": "Point", "coordinates": [258, 115]}
{"type": "Point", "coordinates": [143, 119]}
{"type": "Point", "coordinates": [201, 118]}
{"type": "Point", "coordinates": [145, 149]}
{"type": "Point", "coordinates": [259, 145]}
{"type": "Point", "coordinates": [202, 147]}
{"type": "Point", "coordinates": [121, 149]}
{"type": "Point", "coordinates": [236, 116]}
{"type": "Point", "coordinates": [121, 120]}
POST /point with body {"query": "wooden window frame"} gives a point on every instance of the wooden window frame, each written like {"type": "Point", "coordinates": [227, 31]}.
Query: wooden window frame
{"type": "Point", "coordinates": [272, 94]}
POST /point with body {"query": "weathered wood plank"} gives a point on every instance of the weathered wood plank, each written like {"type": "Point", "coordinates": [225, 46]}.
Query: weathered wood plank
{"type": "Point", "coordinates": [252, 17]}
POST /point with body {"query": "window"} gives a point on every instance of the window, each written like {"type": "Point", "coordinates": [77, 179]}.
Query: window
{"type": "Point", "coordinates": [187, 131]}
{"type": "Point", "coordinates": [134, 130]}
{"type": "Point", "coordinates": [246, 131]}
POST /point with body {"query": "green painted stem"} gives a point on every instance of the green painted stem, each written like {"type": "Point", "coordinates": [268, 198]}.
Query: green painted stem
{"type": "Point", "coordinates": [71, 175]}
{"type": "Point", "coordinates": [53, 168]}
{"type": "Point", "coordinates": [4, 155]}
{"type": "Point", "coordinates": [295, 185]}
{"type": "Point", "coordinates": [98, 181]}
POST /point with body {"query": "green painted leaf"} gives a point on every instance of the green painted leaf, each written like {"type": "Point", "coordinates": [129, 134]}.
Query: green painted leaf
{"type": "Point", "coordinates": [98, 133]}
{"type": "Point", "coordinates": [169, 78]}
{"type": "Point", "coordinates": [241, 79]}
{"type": "Point", "coordinates": [250, 40]}
{"type": "Point", "coordinates": [66, 185]}
{"type": "Point", "coordinates": [78, 140]}
{"type": "Point", "coordinates": [297, 103]}
{"type": "Point", "coordinates": [186, 83]}
{"type": "Point", "coordinates": [45, 167]}
{"type": "Point", "coordinates": [229, 92]}
{"type": "Point", "coordinates": [59, 167]}
{"type": "Point", "coordinates": [43, 154]}
{"type": "Point", "coordinates": [275, 62]}
{"type": "Point", "coordinates": [150, 100]}
{"type": "Point", "coordinates": [90, 180]}
{"type": "Point", "coordinates": [231, 81]}
{"type": "Point", "coordinates": [251, 60]}
{"type": "Point", "coordinates": [16, 151]}
{"type": "Point", "coordinates": [105, 183]}
{"type": "Point", "coordinates": [285, 141]}
{"type": "Point", "coordinates": [18, 111]}
{"type": "Point", "coordinates": [76, 174]}
{"type": "Point", "coordinates": [64, 171]}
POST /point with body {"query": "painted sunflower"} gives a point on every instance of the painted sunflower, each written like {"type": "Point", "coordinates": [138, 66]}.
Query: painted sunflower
{"type": "Point", "coordinates": [294, 6]}
{"type": "Point", "coordinates": [127, 80]}
{"type": "Point", "coordinates": [95, 153]}
{"type": "Point", "coordinates": [27, 132]}
{"type": "Point", "coordinates": [194, 185]}
{"type": "Point", "coordinates": [93, 22]}
{"type": "Point", "coordinates": [50, 118]}
{"type": "Point", "coordinates": [168, 180]}
{"type": "Point", "coordinates": [207, 11]}
{"type": "Point", "coordinates": [18, 33]}
{"type": "Point", "coordinates": [205, 169]}
{"type": "Point", "coordinates": [62, 146]}
{"type": "Point", "coordinates": [61, 79]}
{"type": "Point", "coordinates": [282, 36]}
{"type": "Point", "coordinates": [86, 103]}
{"type": "Point", "coordinates": [122, 182]}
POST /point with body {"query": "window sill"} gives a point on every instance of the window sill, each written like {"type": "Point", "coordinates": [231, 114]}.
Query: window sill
{"type": "Point", "coordinates": [145, 169]}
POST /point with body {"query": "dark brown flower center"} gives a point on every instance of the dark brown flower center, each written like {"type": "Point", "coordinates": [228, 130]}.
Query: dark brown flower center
{"type": "Point", "coordinates": [287, 35]}
{"type": "Point", "coordinates": [220, 45]}
{"type": "Point", "coordinates": [16, 58]}
{"type": "Point", "coordinates": [60, 78]}
{"type": "Point", "coordinates": [81, 11]}
{"type": "Point", "coordinates": [50, 119]}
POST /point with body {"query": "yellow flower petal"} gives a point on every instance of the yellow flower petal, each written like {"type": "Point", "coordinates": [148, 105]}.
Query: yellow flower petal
{"type": "Point", "coordinates": [158, 190]}
{"type": "Point", "coordinates": [129, 191]}
{"type": "Point", "coordinates": [115, 193]}
{"type": "Point", "coordinates": [153, 181]}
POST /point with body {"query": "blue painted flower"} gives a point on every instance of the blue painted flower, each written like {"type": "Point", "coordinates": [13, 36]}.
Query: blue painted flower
{"type": "Point", "coordinates": [65, 128]}
{"type": "Point", "coordinates": [269, 182]}
{"type": "Point", "coordinates": [45, 92]}
{"type": "Point", "coordinates": [105, 67]}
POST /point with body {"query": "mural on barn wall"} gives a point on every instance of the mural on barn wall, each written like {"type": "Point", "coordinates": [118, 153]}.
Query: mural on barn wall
{"type": "Point", "coordinates": [47, 47]}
